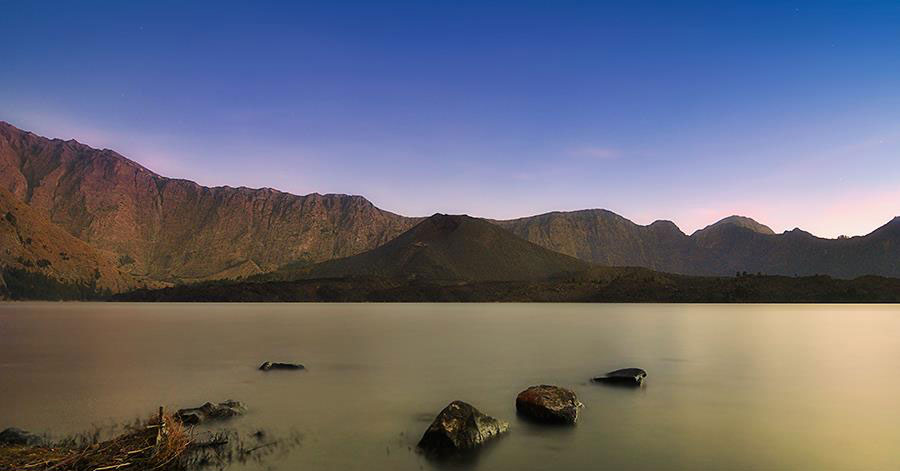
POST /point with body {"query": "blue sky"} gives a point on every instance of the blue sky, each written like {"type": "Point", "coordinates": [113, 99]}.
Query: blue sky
{"type": "Point", "coordinates": [788, 112]}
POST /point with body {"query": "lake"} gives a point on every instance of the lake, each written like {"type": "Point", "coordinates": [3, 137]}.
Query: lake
{"type": "Point", "coordinates": [728, 387]}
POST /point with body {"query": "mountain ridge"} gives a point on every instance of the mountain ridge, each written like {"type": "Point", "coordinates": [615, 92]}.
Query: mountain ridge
{"type": "Point", "coordinates": [176, 230]}
{"type": "Point", "coordinates": [721, 249]}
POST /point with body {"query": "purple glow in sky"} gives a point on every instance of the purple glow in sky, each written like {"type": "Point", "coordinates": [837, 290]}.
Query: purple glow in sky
{"type": "Point", "coordinates": [787, 112]}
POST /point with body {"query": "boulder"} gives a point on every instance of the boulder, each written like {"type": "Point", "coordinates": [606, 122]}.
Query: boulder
{"type": "Point", "coordinates": [548, 404]}
{"type": "Point", "coordinates": [458, 428]}
{"type": "Point", "coordinates": [211, 411]}
{"type": "Point", "coordinates": [270, 365]}
{"type": "Point", "coordinates": [624, 377]}
{"type": "Point", "coordinates": [16, 436]}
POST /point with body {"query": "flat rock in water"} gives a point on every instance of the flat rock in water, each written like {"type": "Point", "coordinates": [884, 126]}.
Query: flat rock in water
{"type": "Point", "coordinates": [16, 436]}
{"type": "Point", "coordinates": [549, 404]}
{"type": "Point", "coordinates": [625, 376]}
{"type": "Point", "coordinates": [211, 411]}
{"type": "Point", "coordinates": [460, 427]}
{"type": "Point", "coordinates": [270, 365]}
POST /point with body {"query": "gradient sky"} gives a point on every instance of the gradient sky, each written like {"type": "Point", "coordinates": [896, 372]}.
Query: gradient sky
{"type": "Point", "coordinates": [788, 112]}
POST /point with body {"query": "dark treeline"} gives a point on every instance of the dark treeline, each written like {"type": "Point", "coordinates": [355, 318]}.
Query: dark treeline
{"type": "Point", "coordinates": [615, 285]}
{"type": "Point", "coordinates": [21, 284]}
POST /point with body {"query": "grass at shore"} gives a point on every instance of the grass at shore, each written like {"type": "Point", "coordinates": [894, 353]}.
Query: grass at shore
{"type": "Point", "coordinates": [160, 443]}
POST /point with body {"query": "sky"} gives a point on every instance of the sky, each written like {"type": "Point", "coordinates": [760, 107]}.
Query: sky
{"type": "Point", "coordinates": [787, 112]}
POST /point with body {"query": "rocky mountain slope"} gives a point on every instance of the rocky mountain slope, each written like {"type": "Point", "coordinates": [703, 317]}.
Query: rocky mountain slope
{"type": "Point", "coordinates": [734, 244]}
{"type": "Point", "coordinates": [172, 229]}
{"type": "Point", "coordinates": [450, 247]}
{"type": "Point", "coordinates": [33, 249]}
{"type": "Point", "coordinates": [797, 252]}
{"type": "Point", "coordinates": [605, 238]}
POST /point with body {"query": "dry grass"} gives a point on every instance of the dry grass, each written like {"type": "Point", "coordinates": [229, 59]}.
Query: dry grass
{"type": "Point", "coordinates": [145, 446]}
{"type": "Point", "coordinates": [159, 443]}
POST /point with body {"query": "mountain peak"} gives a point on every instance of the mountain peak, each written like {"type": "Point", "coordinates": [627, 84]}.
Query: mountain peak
{"type": "Point", "coordinates": [664, 224]}
{"type": "Point", "coordinates": [453, 247]}
{"type": "Point", "coordinates": [739, 221]}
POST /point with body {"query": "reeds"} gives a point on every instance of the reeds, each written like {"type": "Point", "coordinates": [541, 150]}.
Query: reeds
{"type": "Point", "coordinates": [157, 444]}
{"type": "Point", "coordinates": [160, 443]}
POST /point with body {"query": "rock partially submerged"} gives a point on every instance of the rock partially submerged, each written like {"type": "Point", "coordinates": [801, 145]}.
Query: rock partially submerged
{"type": "Point", "coordinates": [623, 377]}
{"type": "Point", "coordinates": [549, 404]}
{"type": "Point", "coordinates": [17, 436]}
{"type": "Point", "coordinates": [270, 365]}
{"type": "Point", "coordinates": [458, 428]}
{"type": "Point", "coordinates": [211, 411]}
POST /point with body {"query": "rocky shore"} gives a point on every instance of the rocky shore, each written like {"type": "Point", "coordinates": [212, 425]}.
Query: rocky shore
{"type": "Point", "coordinates": [167, 440]}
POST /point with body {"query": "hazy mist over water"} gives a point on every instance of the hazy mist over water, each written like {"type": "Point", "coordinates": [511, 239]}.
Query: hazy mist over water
{"type": "Point", "coordinates": [729, 386]}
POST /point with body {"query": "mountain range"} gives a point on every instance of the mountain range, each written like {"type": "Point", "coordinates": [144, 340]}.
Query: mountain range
{"type": "Point", "coordinates": [732, 245]}
{"type": "Point", "coordinates": [457, 258]}
{"type": "Point", "coordinates": [142, 229]}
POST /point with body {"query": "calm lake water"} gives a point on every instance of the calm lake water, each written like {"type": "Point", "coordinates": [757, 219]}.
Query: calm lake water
{"type": "Point", "coordinates": [729, 386]}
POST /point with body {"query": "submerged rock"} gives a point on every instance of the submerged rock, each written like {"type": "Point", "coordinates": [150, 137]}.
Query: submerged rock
{"type": "Point", "coordinates": [549, 404]}
{"type": "Point", "coordinates": [269, 365]}
{"type": "Point", "coordinates": [211, 411]}
{"type": "Point", "coordinates": [460, 427]}
{"type": "Point", "coordinates": [624, 377]}
{"type": "Point", "coordinates": [16, 436]}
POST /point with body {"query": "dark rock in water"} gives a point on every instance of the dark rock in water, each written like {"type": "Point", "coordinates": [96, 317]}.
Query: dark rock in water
{"type": "Point", "coordinates": [460, 427]}
{"type": "Point", "coordinates": [15, 436]}
{"type": "Point", "coordinates": [548, 404]}
{"type": "Point", "coordinates": [625, 377]}
{"type": "Point", "coordinates": [211, 411]}
{"type": "Point", "coordinates": [269, 365]}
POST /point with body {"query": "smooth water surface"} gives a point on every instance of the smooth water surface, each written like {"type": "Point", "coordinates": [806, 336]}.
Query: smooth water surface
{"type": "Point", "coordinates": [729, 386]}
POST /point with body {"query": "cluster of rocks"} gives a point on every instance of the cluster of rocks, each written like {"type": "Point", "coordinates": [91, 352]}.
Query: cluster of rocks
{"type": "Point", "coordinates": [460, 427]}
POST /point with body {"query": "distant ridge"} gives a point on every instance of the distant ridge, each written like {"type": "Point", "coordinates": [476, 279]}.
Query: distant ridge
{"type": "Point", "coordinates": [733, 245]}
{"type": "Point", "coordinates": [453, 247]}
